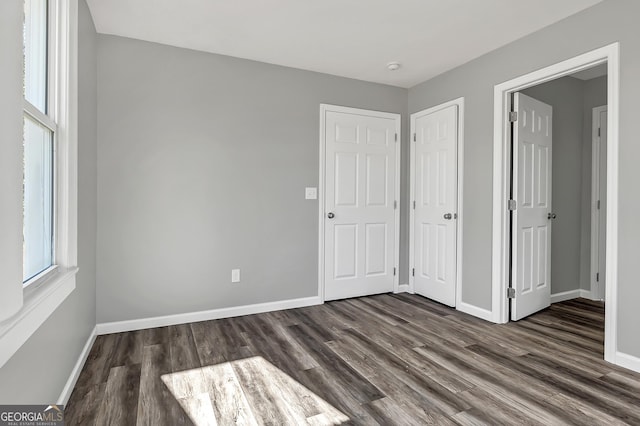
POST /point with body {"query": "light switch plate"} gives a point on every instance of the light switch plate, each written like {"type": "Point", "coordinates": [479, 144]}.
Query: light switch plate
{"type": "Point", "coordinates": [235, 275]}
{"type": "Point", "coordinates": [311, 193]}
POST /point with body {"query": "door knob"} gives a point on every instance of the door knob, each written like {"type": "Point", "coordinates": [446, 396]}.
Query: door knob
{"type": "Point", "coordinates": [551, 216]}
{"type": "Point", "coordinates": [330, 215]}
{"type": "Point", "coordinates": [448, 216]}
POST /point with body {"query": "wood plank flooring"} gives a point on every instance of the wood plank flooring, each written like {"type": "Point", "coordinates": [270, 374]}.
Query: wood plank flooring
{"type": "Point", "coordinates": [386, 359]}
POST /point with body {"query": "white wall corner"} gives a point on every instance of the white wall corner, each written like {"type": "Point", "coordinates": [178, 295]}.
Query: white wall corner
{"type": "Point", "coordinates": [586, 294]}
{"type": "Point", "coordinates": [403, 288]}
{"type": "Point", "coordinates": [75, 373]}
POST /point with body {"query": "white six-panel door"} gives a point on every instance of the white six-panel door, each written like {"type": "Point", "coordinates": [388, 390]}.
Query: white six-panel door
{"type": "Point", "coordinates": [532, 217]}
{"type": "Point", "coordinates": [434, 188]}
{"type": "Point", "coordinates": [360, 200]}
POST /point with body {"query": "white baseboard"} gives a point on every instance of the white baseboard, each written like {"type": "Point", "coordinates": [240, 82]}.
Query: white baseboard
{"type": "Point", "coordinates": [142, 323]}
{"type": "Point", "coordinates": [404, 288]}
{"type": "Point", "coordinates": [75, 373]}
{"type": "Point", "coordinates": [475, 311]}
{"type": "Point", "coordinates": [571, 294]}
{"type": "Point", "coordinates": [628, 361]}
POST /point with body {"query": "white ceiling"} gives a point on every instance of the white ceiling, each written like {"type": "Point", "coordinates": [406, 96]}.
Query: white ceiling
{"type": "Point", "coordinates": [350, 38]}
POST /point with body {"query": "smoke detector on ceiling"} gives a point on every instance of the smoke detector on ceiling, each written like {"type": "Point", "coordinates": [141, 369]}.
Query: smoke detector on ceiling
{"type": "Point", "coordinates": [392, 66]}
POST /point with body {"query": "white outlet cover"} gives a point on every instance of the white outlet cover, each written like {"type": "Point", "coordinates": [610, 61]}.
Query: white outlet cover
{"type": "Point", "coordinates": [311, 193]}
{"type": "Point", "coordinates": [235, 275]}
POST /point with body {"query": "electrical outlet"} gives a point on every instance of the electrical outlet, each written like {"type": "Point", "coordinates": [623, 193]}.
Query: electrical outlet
{"type": "Point", "coordinates": [311, 193]}
{"type": "Point", "coordinates": [235, 275]}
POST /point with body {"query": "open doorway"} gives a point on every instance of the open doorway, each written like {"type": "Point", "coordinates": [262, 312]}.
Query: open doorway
{"type": "Point", "coordinates": [572, 265]}
{"type": "Point", "coordinates": [558, 186]}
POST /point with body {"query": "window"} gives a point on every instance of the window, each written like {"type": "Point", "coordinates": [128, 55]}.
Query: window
{"type": "Point", "coordinates": [39, 139]}
{"type": "Point", "coordinates": [47, 194]}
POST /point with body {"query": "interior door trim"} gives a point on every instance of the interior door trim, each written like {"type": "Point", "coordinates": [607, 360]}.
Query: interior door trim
{"type": "Point", "coordinates": [460, 305]}
{"type": "Point", "coordinates": [610, 55]}
{"type": "Point", "coordinates": [324, 108]}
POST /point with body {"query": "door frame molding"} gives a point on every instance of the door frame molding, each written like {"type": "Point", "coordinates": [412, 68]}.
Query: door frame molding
{"type": "Point", "coordinates": [501, 153]}
{"type": "Point", "coordinates": [459, 102]}
{"type": "Point", "coordinates": [595, 196]}
{"type": "Point", "coordinates": [324, 108]}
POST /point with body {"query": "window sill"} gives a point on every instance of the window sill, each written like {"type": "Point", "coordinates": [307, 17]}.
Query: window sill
{"type": "Point", "coordinates": [38, 280]}
{"type": "Point", "coordinates": [41, 299]}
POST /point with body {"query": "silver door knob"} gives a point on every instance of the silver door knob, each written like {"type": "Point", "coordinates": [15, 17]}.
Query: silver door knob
{"type": "Point", "coordinates": [330, 215]}
{"type": "Point", "coordinates": [551, 216]}
{"type": "Point", "coordinates": [448, 216]}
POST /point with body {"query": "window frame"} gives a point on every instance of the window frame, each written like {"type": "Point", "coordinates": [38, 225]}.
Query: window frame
{"type": "Point", "coordinates": [49, 120]}
{"type": "Point", "coordinates": [48, 290]}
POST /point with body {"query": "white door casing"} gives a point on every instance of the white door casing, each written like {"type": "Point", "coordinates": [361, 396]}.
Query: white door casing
{"type": "Point", "coordinates": [532, 217]}
{"type": "Point", "coordinates": [599, 203]}
{"type": "Point", "coordinates": [434, 186]}
{"type": "Point", "coordinates": [500, 264]}
{"type": "Point", "coordinates": [359, 215]}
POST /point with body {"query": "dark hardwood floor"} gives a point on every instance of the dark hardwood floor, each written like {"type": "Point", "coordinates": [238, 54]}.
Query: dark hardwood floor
{"type": "Point", "coordinates": [386, 359]}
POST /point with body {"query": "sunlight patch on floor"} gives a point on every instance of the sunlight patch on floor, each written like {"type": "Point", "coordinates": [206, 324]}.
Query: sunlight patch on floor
{"type": "Point", "coordinates": [249, 391]}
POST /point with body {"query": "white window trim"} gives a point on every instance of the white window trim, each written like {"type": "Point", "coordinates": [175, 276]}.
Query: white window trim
{"type": "Point", "coordinates": [47, 292]}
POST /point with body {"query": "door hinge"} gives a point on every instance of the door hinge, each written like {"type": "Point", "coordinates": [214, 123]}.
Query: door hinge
{"type": "Point", "coordinates": [394, 271]}
{"type": "Point", "coordinates": [513, 116]}
{"type": "Point", "coordinates": [511, 293]}
{"type": "Point", "coordinates": [414, 204]}
{"type": "Point", "coordinates": [413, 272]}
{"type": "Point", "coordinates": [512, 205]}
{"type": "Point", "coordinates": [599, 130]}
{"type": "Point", "coordinates": [597, 277]}
{"type": "Point", "coordinates": [396, 137]}
{"type": "Point", "coordinates": [598, 204]}
{"type": "Point", "coordinates": [414, 137]}
{"type": "Point", "coordinates": [395, 205]}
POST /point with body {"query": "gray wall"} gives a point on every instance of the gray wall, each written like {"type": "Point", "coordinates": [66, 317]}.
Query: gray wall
{"type": "Point", "coordinates": [566, 96]}
{"type": "Point", "coordinates": [607, 22]}
{"type": "Point", "coordinates": [595, 95]}
{"type": "Point", "coordinates": [39, 370]}
{"type": "Point", "coordinates": [202, 164]}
